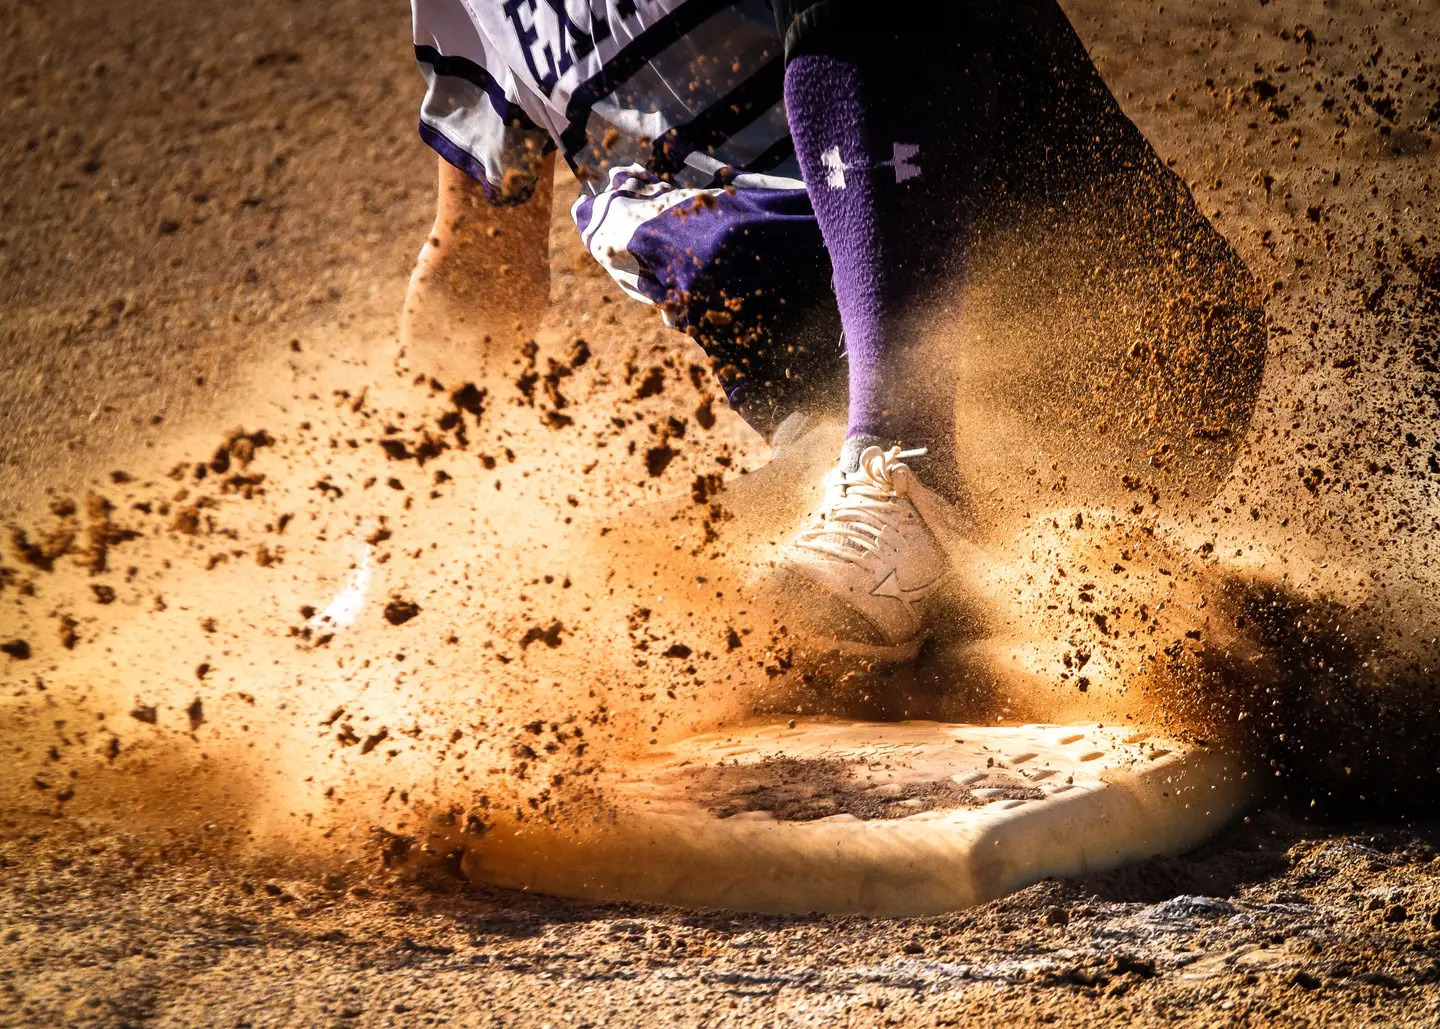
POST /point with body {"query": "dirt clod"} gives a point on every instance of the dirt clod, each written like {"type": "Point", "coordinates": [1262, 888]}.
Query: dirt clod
{"type": "Point", "coordinates": [18, 649]}
{"type": "Point", "coordinates": [398, 612]}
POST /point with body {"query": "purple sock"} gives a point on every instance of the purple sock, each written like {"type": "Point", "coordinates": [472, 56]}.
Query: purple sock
{"type": "Point", "coordinates": [892, 135]}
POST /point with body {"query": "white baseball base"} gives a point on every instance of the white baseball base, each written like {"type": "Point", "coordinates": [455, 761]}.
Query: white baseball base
{"type": "Point", "coordinates": [871, 818]}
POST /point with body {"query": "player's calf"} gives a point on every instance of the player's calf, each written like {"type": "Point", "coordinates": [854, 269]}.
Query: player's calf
{"type": "Point", "coordinates": [482, 279]}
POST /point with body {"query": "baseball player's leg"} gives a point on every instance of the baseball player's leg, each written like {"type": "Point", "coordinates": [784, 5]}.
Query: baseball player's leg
{"type": "Point", "coordinates": [892, 129]}
{"type": "Point", "coordinates": [482, 279]}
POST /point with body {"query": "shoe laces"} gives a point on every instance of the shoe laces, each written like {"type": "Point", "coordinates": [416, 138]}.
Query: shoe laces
{"type": "Point", "coordinates": [858, 506]}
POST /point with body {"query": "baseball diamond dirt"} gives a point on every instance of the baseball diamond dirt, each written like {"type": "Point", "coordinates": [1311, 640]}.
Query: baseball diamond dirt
{"type": "Point", "coordinates": [293, 613]}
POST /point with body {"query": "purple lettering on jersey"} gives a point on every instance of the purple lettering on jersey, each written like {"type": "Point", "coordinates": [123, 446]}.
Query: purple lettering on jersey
{"type": "Point", "coordinates": [572, 40]}
{"type": "Point", "coordinates": [528, 36]}
{"type": "Point", "coordinates": [582, 43]}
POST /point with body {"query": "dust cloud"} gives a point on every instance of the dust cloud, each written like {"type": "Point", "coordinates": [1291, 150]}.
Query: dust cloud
{"type": "Point", "coordinates": [389, 610]}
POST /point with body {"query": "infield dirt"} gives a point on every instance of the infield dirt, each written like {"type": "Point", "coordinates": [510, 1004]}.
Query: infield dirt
{"type": "Point", "coordinates": [284, 615]}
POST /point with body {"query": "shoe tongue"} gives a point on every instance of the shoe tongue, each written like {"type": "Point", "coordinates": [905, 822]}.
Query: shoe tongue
{"type": "Point", "coordinates": [857, 445]}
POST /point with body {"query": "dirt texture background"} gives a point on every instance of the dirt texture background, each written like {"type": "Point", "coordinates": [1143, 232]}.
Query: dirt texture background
{"type": "Point", "coordinates": [216, 773]}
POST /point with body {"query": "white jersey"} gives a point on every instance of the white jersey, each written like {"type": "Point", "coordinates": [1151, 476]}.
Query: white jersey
{"type": "Point", "coordinates": [689, 91]}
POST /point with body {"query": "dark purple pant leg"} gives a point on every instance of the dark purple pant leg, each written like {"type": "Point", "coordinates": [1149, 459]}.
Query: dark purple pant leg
{"type": "Point", "coordinates": [892, 132]}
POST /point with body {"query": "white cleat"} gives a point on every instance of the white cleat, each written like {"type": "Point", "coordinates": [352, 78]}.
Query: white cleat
{"type": "Point", "coordinates": [862, 572]}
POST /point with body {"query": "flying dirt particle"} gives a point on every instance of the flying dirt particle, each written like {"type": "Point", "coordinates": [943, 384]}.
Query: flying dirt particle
{"type": "Point", "coordinates": [556, 371]}
{"type": "Point", "coordinates": [396, 449]}
{"type": "Point", "coordinates": [68, 636]}
{"type": "Point", "coordinates": [469, 398]}
{"type": "Point", "coordinates": [549, 635]}
{"type": "Point", "coordinates": [374, 740]}
{"type": "Point", "coordinates": [145, 713]}
{"type": "Point", "coordinates": [652, 385]}
{"type": "Point", "coordinates": [112, 748]}
{"type": "Point", "coordinates": [248, 486]}
{"type": "Point", "coordinates": [196, 713]}
{"type": "Point", "coordinates": [346, 736]}
{"type": "Point", "coordinates": [202, 670]}
{"type": "Point", "coordinates": [265, 557]}
{"type": "Point", "coordinates": [334, 716]}
{"type": "Point", "coordinates": [706, 486]}
{"type": "Point", "coordinates": [18, 649]}
{"type": "Point", "coordinates": [526, 385]}
{"type": "Point", "coordinates": [394, 849]}
{"type": "Point", "coordinates": [186, 521]}
{"type": "Point", "coordinates": [677, 650]}
{"type": "Point", "coordinates": [307, 611]}
{"type": "Point", "coordinates": [103, 594]}
{"type": "Point", "coordinates": [657, 459]}
{"type": "Point", "coordinates": [242, 445]}
{"type": "Point", "coordinates": [732, 639]}
{"type": "Point", "coordinates": [46, 551]}
{"type": "Point", "coordinates": [705, 414]}
{"type": "Point", "coordinates": [398, 611]}
{"type": "Point", "coordinates": [429, 446]}
{"type": "Point", "coordinates": [578, 353]}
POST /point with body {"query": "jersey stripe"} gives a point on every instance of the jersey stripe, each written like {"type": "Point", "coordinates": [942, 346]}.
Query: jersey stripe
{"type": "Point", "coordinates": [630, 59]}
{"type": "Point", "coordinates": [464, 68]}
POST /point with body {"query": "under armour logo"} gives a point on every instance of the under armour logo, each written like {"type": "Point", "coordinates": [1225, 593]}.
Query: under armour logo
{"type": "Point", "coordinates": [902, 163]}
{"type": "Point", "coordinates": [835, 168]}
{"type": "Point", "coordinates": [890, 587]}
